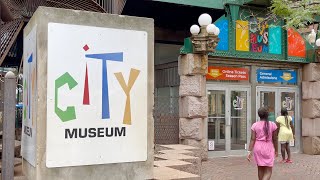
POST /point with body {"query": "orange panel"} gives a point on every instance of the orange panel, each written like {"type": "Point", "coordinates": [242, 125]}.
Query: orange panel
{"type": "Point", "coordinates": [296, 44]}
{"type": "Point", "coordinates": [227, 73]}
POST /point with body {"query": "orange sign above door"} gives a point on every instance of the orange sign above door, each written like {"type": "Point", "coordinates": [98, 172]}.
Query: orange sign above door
{"type": "Point", "coordinates": [227, 73]}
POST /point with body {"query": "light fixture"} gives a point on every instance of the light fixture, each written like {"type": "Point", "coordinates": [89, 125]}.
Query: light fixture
{"type": "Point", "coordinates": [216, 31]}
{"type": "Point", "coordinates": [195, 29]}
{"type": "Point", "coordinates": [204, 19]}
{"type": "Point", "coordinates": [318, 42]}
{"type": "Point", "coordinates": [205, 38]}
{"type": "Point", "coordinates": [312, 37]}
{"type": "Point", "coordinates": [211, 28]}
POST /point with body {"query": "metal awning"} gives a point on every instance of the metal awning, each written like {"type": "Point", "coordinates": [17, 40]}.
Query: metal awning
{"type": "Point", "coordinates": [22, 10]}
{"type": "Point", "coordinates": [213, 4]}
{"type": "Point", "coordinates": [26, 8]}
{"type": "Point", "coordinates": [8, 34]}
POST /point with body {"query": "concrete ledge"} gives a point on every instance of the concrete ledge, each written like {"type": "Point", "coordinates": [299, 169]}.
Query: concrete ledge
{"type": "Point", "coordinates": [202, 146]}
{"type": "Point", "coordinates": [186, 167]}
{"type": "Point", "coordinates": [169, 173]}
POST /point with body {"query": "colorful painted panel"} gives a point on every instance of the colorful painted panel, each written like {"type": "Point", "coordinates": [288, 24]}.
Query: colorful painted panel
{"type": "Point", "coordinates": [258, 36]}
{"type": "Point", "coordinates": [296, 44]}
{"type": "Point", "coordinates": [242, 36]}
{"type": "Point", "coordinates": [223, 44]}
{"type": "Point", "coordinates": [275, 40]}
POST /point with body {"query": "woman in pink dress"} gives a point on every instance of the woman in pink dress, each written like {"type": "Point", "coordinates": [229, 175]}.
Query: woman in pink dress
{"type": "Point", "coordinates": [264, 143]}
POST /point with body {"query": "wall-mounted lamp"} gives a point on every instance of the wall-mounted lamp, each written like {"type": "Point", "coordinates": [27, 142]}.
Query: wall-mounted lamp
{"type": "Point", "coordinates": [205, 38]}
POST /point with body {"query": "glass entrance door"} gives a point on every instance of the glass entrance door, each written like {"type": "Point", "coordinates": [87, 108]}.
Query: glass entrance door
{"type": "Point", "coordinates": [217, 118]}
{"type": "Point", "coordinates": [228, 116]}
{"type": "Point", "coordinates": [276, 98]}
{"type": "Point", "coordinates": [239, 119]}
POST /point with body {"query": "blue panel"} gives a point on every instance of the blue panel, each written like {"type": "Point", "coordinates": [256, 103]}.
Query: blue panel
{"type": "Point", "coordinates": [223, 44]}
{"type": "Point", "coordinates": [275, 40]}
{"type": "Point", "coordinates": [276, 76]}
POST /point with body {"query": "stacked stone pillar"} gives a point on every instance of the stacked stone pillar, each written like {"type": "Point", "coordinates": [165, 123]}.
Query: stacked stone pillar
{"type": "Point", "coordinates": [193, 102]}
{"type": "Point", "coordinates": [311, 109]}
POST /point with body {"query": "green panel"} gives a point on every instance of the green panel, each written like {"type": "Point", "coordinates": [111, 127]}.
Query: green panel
{"type": "Point", "coordinates": [187, 47]}
{"type": "Point", "coordinates": [234, 13]}
{"type": "Point", "coordinates": [215, 4]}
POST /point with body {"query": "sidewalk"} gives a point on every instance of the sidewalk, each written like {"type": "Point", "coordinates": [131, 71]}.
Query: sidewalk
{"type": "Point", "coordinates": [304, 167]}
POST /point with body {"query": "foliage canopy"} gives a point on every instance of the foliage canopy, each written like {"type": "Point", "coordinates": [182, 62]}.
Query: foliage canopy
{"type": "Point", "coordinates": [296, 13]}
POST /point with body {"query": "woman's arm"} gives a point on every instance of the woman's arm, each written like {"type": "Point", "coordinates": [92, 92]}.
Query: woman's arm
{"type": "Point", "coordinates": [252, 142]}
{"type": "Point", "coordinates": [278, 128]}
{"type": "Point", "coordinates": [292, 128]}
{"type": "Point", "coordinates": [275, 141]}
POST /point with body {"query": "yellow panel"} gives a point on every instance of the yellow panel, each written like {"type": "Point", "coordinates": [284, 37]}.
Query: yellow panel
{"type": "Point", "coordinates": [242, 35]}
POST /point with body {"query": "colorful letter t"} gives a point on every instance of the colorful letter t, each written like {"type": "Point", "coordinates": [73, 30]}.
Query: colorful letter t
{"type": "Point", "coordinates": [105, 91]}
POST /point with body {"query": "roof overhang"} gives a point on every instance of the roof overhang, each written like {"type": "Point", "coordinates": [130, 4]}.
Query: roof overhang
{"type": "Point", "coordinates": [213, 4]}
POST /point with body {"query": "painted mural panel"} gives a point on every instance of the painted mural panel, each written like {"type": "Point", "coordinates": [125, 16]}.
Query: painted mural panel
{"type": "Point", "coordinates": [258, 35]}
{"type": "Point", "coordinates": [223, 44]}
{"type": "Point", "coordinates": [296, 44]}
{"type": "Point", "coordinates": [242, 35]}
{"type": "Point", "coordinates": [275, 40]}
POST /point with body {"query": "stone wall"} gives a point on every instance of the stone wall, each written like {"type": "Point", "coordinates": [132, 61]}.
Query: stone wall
{"type": "Point", "coordinates": [193, 102]}
{"type": "Point", "coordinates": [311, 109]}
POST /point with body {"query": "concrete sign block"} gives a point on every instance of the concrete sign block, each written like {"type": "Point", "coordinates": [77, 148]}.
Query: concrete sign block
{"type": "Point", "coordinates": [90, 96]}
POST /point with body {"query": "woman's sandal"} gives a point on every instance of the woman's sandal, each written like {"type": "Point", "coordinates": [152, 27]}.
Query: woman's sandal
{"type": "Point", "coordinates": [288, 161]}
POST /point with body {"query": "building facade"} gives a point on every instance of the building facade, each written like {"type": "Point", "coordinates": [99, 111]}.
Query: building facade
{"type": "Point", "coordinates": [257, 63]}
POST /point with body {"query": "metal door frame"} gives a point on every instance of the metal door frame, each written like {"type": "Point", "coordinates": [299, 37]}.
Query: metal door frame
{"type": "Point", "coordinates": [228, 89]}
{"type": "Point", "coordinates": [278, 91]}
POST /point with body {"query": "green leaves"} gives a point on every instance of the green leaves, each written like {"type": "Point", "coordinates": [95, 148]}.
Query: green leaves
{"type": "Point", "coordinates": [296, 13]}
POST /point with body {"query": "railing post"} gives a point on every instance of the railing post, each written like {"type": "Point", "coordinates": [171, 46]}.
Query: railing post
{"type": "Point", "coordinates": [8, 126]}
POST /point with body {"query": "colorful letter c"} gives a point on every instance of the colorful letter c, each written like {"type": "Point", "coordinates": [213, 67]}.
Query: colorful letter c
{"type": "Point", "coordinates": [70, 113]}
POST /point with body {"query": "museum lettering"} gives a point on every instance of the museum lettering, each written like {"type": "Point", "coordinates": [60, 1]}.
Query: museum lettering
{"type": "Point", "coordinates": [94, 132]}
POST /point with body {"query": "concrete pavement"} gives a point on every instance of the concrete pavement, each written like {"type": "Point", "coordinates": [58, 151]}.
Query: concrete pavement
{"type": "Point", "coordinates": [304, 167]}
